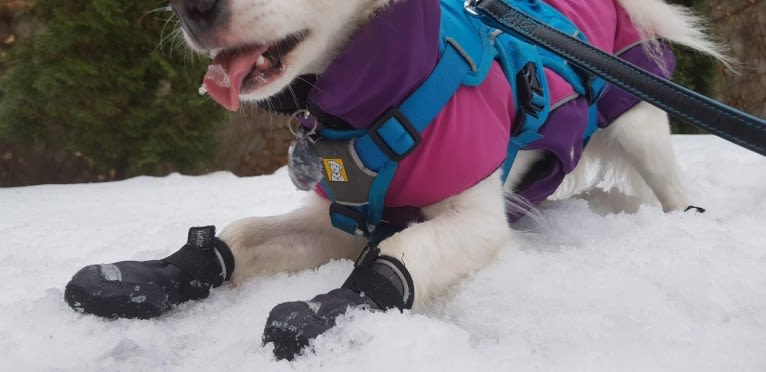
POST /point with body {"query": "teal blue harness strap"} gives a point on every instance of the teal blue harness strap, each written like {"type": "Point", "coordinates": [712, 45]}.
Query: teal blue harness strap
{"type": "Point", "coordinates": [375, 152]}
{"type": "Point", "coordinates": [394, 136]}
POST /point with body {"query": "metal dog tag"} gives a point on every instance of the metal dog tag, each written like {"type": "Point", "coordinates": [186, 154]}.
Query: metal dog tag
{"type": "Point", "coordinates": [303, 162]}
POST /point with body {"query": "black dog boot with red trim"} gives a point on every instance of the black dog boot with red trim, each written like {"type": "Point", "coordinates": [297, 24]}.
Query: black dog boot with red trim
{"type": "Point", "coordinates": [146, 289]}
{"type": "Point", "coordinates": [377, 283]}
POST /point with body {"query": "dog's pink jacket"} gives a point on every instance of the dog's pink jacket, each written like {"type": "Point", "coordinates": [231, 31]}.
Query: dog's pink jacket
{"type": "Point", "coordinates": [468, 140]}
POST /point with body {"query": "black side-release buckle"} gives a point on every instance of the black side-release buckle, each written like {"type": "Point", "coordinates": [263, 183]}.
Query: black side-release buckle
{"type": "Point", "coordinates": [387, 133]}
{"type": "Point", "coordinates": [530, 90]}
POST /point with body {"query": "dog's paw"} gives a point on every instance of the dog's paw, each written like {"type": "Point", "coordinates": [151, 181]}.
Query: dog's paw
{"type": "Point", "coordinates": [376, 283]}
{"type": "Point", "coordinates": [292, 325]}
{"type": "Point", "coordinates": [148, 289]}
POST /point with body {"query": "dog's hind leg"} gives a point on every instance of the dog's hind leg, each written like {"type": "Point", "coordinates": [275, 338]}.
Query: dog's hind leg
{"type": "Point", "coordinates": [301, 239]}
{"type": "Point", "coordinates": [641, 137]}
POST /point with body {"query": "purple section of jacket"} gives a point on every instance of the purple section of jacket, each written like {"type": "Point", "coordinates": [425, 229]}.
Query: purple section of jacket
{"type": "Point", "coordinates": [616, 101]}
{"type": "Point", "coordinates": [385, 62]}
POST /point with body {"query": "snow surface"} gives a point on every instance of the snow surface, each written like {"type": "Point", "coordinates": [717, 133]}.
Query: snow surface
{"type": "Point", "coordinates": [587, 292]}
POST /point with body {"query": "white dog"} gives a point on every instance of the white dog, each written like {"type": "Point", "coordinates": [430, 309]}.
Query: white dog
{"type": "Point", "coordinates": [262, 48]}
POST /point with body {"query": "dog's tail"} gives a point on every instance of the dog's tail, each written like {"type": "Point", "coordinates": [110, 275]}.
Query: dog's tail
{"type": "Point", "coordinates": [677, 24]}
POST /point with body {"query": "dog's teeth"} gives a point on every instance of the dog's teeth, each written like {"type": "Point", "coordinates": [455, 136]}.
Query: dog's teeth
{"type": "Point", "coordinates": [261, 61]}
{"type": "Point", "coordinates": [202, 91]}
{"type": "Point", "coordinates": [260, 78]}
{"type": "Point", "coordinates": [213, 53]}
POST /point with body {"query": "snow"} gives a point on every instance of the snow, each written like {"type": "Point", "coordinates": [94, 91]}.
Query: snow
{"type": "Point", "coordinates": [587, 291]}
{"type": "Point", "coordinates": [218, 75]}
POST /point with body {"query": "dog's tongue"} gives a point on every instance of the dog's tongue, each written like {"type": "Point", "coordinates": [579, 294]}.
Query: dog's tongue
{"type": "Point", "coordinates": [224, 76]}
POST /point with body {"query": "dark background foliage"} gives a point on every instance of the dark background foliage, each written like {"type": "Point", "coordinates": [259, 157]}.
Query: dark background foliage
{"type": "Point", "coordinates": [91, 82]}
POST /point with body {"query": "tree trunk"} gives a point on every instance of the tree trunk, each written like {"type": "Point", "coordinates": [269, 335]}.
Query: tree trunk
{"type": "Point", "coordinates": [741, 24]}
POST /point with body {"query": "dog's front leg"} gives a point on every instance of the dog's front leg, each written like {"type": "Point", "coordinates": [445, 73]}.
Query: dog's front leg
{"type": "Point", "coordinates": [298, 240]}
{"type": "Point", "coordinates": [461, 235]}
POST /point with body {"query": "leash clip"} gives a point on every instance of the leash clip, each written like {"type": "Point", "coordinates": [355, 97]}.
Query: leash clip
{"type": "Point", "coordinates": [470, 7]}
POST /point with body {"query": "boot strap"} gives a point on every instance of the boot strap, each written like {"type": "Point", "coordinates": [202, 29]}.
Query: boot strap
{"type": "Point", "coordinates": [204, 257]}
{"type": "Point", "coordinates": [377, 277]}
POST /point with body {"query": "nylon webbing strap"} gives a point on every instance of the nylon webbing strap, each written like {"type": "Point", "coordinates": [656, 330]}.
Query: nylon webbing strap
{"type": "Point", "coordinates": [394, 136]}
{"type": "Point", "coordinates": [419, 109]}
{"type": "Point", "coordinates": [726, 122]}
{"type": "Point", "coordinates": [197, 258]}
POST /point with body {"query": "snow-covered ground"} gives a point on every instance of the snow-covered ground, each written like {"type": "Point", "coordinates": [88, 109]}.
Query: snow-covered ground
{"type": "Point", "coordinates": [587, 292]}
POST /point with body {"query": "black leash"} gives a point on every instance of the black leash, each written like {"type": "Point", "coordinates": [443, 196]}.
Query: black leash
{"type": "Point", "coordinates": [726, 122]}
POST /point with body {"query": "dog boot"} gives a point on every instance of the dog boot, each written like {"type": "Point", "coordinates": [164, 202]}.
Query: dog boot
{"type": "Point", "coordinates": [377, 283]}
{"type": "Point", "coordinates": [146, 289]}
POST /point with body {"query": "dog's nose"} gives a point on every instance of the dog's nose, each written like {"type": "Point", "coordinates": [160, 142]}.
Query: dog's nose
{"type": "Point", "coordinates": [198, 17]}
{"type": "Point", "coordinates": [201, 9]}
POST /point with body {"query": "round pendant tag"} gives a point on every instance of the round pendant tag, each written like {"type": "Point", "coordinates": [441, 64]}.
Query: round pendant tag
{"type": "Point", "coordinates": [304, 164]}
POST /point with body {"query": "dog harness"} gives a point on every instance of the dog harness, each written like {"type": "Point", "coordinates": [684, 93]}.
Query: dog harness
{"type": "Point", "coordinates": [465, 99]}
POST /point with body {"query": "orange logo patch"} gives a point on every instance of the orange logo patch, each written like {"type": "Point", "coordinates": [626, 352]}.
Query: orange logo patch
{"type": "Point", "coordinates": [336, 172]}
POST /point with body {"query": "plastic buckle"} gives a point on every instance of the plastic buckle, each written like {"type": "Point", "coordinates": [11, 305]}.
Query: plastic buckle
{"type": "Point", "coordinates": [392, 125]}
{"type": "Point", "coordinates": [470, 7]}
{"type": "Point", "coordinates": [530, 90]}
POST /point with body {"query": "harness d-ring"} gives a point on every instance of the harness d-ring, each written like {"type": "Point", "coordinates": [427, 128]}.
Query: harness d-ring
{"type": "Point", "coordinates": [296, 117]}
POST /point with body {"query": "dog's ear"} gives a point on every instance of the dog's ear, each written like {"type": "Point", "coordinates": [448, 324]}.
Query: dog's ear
{"type": "Point", "coordinates": [293, 98]}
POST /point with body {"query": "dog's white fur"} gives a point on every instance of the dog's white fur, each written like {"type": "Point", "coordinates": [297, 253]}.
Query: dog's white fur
{"type": "Point", "coordinates": [462, 233]}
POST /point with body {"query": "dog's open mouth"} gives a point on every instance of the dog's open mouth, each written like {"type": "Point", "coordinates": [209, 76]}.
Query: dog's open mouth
{"type": "Point", "coordinates": [245, 69]}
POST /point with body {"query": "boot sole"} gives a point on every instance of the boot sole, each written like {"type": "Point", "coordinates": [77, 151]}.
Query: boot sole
{"type": "Point", "coordinates": [287, 335]}
{"type": "Point", "coordinates": [89, 292]}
